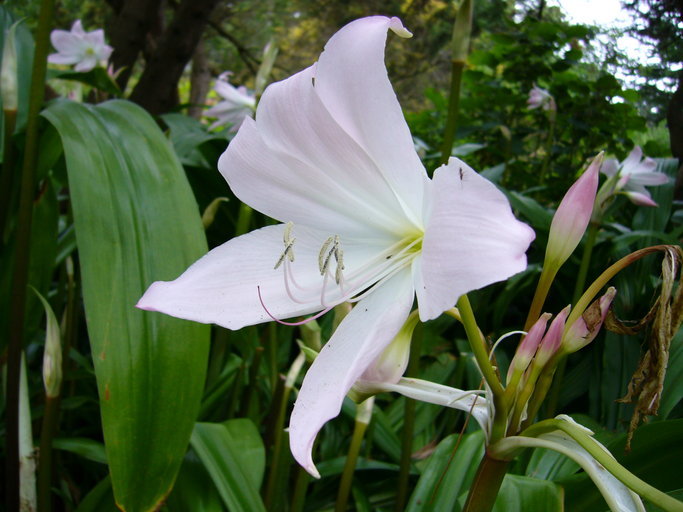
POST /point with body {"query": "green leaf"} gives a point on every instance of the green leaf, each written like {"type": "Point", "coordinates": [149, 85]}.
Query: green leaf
{"type": "Point", "coordinates": [673, 382]}
{"type": "Point", "coordinates": [96, 77]}
{"type": "Point", "coordinates": [448, 473]}
{"type": "Point", "coordinates": [524, 494]}
{"type": "Point", "coordinates": [86, 448]}
{"type": "Point", "coordinates": [136, 222]}
{"type": "Point", "coordinates": [99, 499]}
{"type": "Point", "coordinates": [234, 455]}
{"type": "Point", "coordinates": [193, 491]}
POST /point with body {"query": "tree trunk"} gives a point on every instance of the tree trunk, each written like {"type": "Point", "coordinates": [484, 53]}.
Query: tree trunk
{"type": "Point", "coordinates": [157, 90]}
{"type": "Point", "coordinates": [674, 118]}
{"type": "Point", "coordinates": [199, 81]}
{"type": "Point", "coordinates": [133, 23]}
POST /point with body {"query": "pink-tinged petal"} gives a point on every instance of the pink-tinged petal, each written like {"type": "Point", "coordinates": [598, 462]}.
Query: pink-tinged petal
{"type": "Point", "coordinates": [641, 198]}
{"type": "Point", "coordinates": [77, 28]}
{"type": "Point", "coordinates": [316, 175]}
{"type": "Point", "coordinates": [233, 95]}
{"type": "Point", "coordinates": [60, 58]}
{"type": "Point", "coordinates": [221, 287]}
{"type": "Point", "coordinates": [527, 348]}
{"type": "Point", "coordinates": [352, 82]}
{"type": "Point", "coordinates": [610, 167]}
{"type": "Point", "coordinates": [649, 178]}
{"type": "Point", "coordinates": [572, 216]}
{"type": "Point", "coordinates": [356, 343]}
{"type": "Point", "coordinates": [86, 64]}
{"type": "Point", "coordinates": [67, 43]}
{"type": "Point", "coordinates": [632, 161]}
{"type": "Point", "coordinates": [472, 239]}
{"type": "Point", "coordinates": [95, 38]}
{"type": "Point", "coordinates": [553, 338]}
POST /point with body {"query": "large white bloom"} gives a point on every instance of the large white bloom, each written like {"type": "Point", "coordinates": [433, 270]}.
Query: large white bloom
{"type": "Point", "coordinates": [237, 104]}
{"type": "Point", "coordinates": [84, 49]}
{"type": "Point", "coordinates": [635, 173]}
{"type": "Point", "coordinates": [331, 157]}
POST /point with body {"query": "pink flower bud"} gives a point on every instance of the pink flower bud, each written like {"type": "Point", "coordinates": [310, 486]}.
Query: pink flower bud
{"type": "Point", "coordinates": [586, 328]}
{"type": "Point", "coordinates": [572, 216]}
{"type": "Point", "coordinates": [527, 348]}
{"type": "Point", "coordinates": [553, 338]}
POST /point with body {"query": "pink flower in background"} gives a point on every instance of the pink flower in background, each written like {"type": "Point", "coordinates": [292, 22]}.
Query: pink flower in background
{"type": "Point", "coordinates": [539, 97]}
{"type": "Point", "coordinates": [237, 104]}
{"type": "Point", "coordinates": [83, 49]}
{"type": "Point", "coordinates": [634, 174]}
{"type": "Point", "coordinates": [331, 157]}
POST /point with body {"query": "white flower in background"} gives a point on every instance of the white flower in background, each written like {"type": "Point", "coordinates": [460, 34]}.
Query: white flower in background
{"type": "Point", "coordinates": [237, 104]}
{"type": "Point", "coordinates": [539, 97]}
{"type": "Point", "coordinates": [84, 49]}
{"type": "Point", "coordinates": [633, 175]}
{"type": "Point", "coordinates": [331, 157]}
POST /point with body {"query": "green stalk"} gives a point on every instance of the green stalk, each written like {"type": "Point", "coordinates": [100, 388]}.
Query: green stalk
{"type": "Point", "coordinates": [548, 146]}
{"type": "Point", "coordinates": [585, 261]}
{"type": "Point", "coordinates": [47, 434]}
{"type": "Point", "coordinates": [460, 44]}
{"type": "Point", "coordinates": [22, 253]}
{"type": "Point", "coordinates": [274, 476]}
{"type": "Point", "coordinates": [542, 288]}
{"type": "Point", "coordinates": [243, 219]}
{"type": "Point", "coordinates": [486, 484]}
{"type": "Point", "coordinates": [300, 488]}
{"type": "Point", "coordinates": [7, 175]}
{"type": "Point", "coordinates": [413, 370]}
{"type": "Point", "coordinates": [363, 415]}
{"type": "Point", "coordinates": [481, 355]}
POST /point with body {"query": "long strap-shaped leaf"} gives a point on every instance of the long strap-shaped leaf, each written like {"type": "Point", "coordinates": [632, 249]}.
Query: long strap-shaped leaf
{"type": "Point", "coordinates": [136, 222]}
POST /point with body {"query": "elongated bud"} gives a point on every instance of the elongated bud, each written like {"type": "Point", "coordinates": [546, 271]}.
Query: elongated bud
{"type": "Point", "coordinates": [572, 216]}
{"type": "Point", "coordinates": [52, 357]}
{"type": "Point", "coordinates": [527, 348]}
{"type": "Point", "coordinates": [8, 73]}
{"type": "Point", "coordinates": [587, 326]}
{"type": "Point", "coordinates": [268, 59]}
{"type": "Point", "coordinates": [552, 339]}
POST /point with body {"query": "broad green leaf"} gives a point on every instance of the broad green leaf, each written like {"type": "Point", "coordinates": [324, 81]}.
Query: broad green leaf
{"type": "Point", "coordinates": [673, 383]}
{"type": "Point", "coordinates": [448, 473]}
{"type": "Point", "coordinates": [234, 456]}
{"type": "Point", "coordinates": [136, 222]}
{"type": "Point", "coordinates": [524, 494]}
{"type": "Point", "coordinates": [193, 490]}
{"type": "Point", "coordinates": [96, 77]}
{"type": "Point", "coordinates": [99, 499]}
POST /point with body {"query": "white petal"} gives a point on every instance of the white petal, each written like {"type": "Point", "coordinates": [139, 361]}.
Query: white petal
{"type": "Point", "coordinates": [291, 189]}
{"type": "Point", "coordinates": [610, 167]}
{"type": "Point", "coordinates": [67, 43]}
{"type": "Point", "coordinates": [649, 178]}
{"type": "Point", "coordinates": [61, 58]}
{"type": "Point", "coordinates": [351, 79]}
{"type": "Point", "coordinates": [632, 161]}
{"type": "Point", "coordinates": [86, 64]}
{"type": "Point", "coordinates": [358, 340]}
{"type": "Point", "coordinates": [640, 197]}
{"type": "Point", "coordinates": [221, 287]}
{"type": "Point", "coordinates": [77, 28]}
{"type": "Point", "coordinates": [472, 239]}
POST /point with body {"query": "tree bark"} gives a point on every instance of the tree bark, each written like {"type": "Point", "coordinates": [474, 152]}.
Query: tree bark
{"type": "Point", "coordinates": [199, 81]}
{"type": "Point", "coordinates": [157, 90]}
{"type": "Point", "coordinates": [674, 118]}
{"type": "Point", "coordinates": [133, 23]}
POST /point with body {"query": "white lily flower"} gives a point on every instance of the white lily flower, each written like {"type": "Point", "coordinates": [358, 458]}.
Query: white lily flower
{"type": "Point", "coordinates": [635, 173]}
{"type": "Point", "coordinates": [331, 156]}
{"type": "Point", "coordinates": [237, 104]}
{"type": "Point", "coordinates": [539, 97]}
{"type": "Point", "coordinates": [84, 49]}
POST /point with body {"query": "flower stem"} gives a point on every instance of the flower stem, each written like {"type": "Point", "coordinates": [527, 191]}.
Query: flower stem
{"type": "Point", "coordinates": [481, 354]}
{"type": "Point", "coordinates": [22, 253]}
{"type": "Point", "coordinates": [547, 276]}
{"type": "Point", "coordinates": [486, 484]}
{"type": "Point", "coordinates": [453, 107]}
{"type": "Point", "coordinates": [585, 261]}
{"type": "Point", "coordinates": [7, 171]}
{"type": "Point", "coordinates": [363, 415]}
{"type": "Point", "coordinates": [413, 370]}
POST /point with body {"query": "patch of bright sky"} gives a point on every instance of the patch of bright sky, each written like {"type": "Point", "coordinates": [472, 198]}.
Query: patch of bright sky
{"type": "Point", "coordinates": [609, 14]}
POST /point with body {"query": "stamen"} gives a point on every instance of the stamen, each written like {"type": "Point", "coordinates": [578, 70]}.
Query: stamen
{"type": "Point", "coordinates": [302, 322]}
{"type": "Point", "coordinates": [289, 245]}
{"type": "Point", "coordinates": [321, 256]}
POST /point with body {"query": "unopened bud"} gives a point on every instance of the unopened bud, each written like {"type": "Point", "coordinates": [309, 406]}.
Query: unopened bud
{"type": "Point", "coordinates": [552, 339]}
{"type": "Point", "coordinates": [572, 216]}
{"type": "Point", "coordinates": [586, 327]}
{"type": "Point", "coordinates": [8, 73]}
{"type": "Point", "coordinates": [527, 348]}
